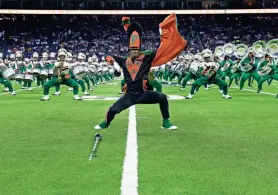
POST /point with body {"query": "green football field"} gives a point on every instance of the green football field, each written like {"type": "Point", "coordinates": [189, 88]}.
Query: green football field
{"type": "Point", "coordinates": [222, 146]}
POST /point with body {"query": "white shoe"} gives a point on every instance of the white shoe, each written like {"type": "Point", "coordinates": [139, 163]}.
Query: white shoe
{"type": "Point", "coordinates": [76, 97]}
{"type": "Point", "coordinates": [169, 83]}
{"type": "Point", "coordinates": [170, 128]}
{"type": "Point", "coordinates": [13, 93]}
{"type": "Point", "coordinates": [6, 89]}
{"type": "Point", "coordinates": [189, 96]}
{"type": "Point", "coordinates": [227, 97]}
{"type": "Point", "coordinates": [45, 98]}
{"type": "Point", "coordinates": [86, 93]}
{"type": "Point", "coordinates": [220, 91]}
{"type": "Point", "coordinates": [188, 83]}
{"type": "Point", "coordinates": [30, 89]}
{"type": "Point", "coordinates": [70, 89]}
{"type": "Point", "coordinates": [177, 85]}
{"type": "Point", "coordinates": [91, 89]}
{"type": "Point", "coordinates": [182, 89]}
{"type": "Point", "coordinates": [206, 89]}
{"type": "Point", "coordinates": [57, 93]}
{"type": "Point", "coordinates": [97, 127]}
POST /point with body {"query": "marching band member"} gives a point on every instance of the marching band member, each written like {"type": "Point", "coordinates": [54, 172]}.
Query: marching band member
{"type": "Point", "coordinates": [20, 65]}
{"type": "Point", "coordinates": [4, 81]}
{"type": "Point", "coordinates": [177, 66]}
{"type": "Point", "coordinates": [61, 76]}
{"type": "Point", "coordinates": [81, 82]}
{"type": "Point", "coordinates": [104, 65]}
{"type": "Point", "coordinates": [139, 63]}
{"type": "Point", "coordinates": [209, 76]}
{"type": "Point", "coordinates": [236, 72]}
{"type": "Point", "coordinates": [167, 71]}
{"type": "Point", "coordinates": [195, 69]}
{"type": "Point", "coordinates": [249, 67]}
{"type": "Point", "coordinates": [28, 83]}
{"type": "Point", "coordinates": [85, 78]}
{"type": "Point", "coordinates": [12, 61]}
{"type": "Point", "coordinates": [43, 66]}
{"type": "Point", "coordinates": [93, 67]}
{"type": "Point", "coordinates": [267, 70]}
{"type": "Point", "coordinates": [226, 66]}
{"type": "Point", "coordinates": [153, 82]}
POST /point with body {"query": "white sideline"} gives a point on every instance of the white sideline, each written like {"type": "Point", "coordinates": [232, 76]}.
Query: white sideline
{"type": "Point", "coordinates": [18, 90]}
{"type": "Point", "coordinates": [129, 183]}
{"type": "Point", "coordinates": [255, 91]}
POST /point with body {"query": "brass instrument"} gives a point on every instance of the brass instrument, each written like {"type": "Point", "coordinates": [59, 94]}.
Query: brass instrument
{"type": "Point", "coordinates": [226, 66]}
{"type": "Point", "coordinates": [240, 51]}
{"type": "Point", "coordinates": [259, 48]}
{"type": "Point", "coordinates": [219, 51]}
{"type": "Point", "coordinates": [213, 67]}
{"type": "Point", "coordinates": [229, 49]}
{"type": "Point", "coordinates": [272, 48]}
{"type": "Point", "coordinates": [265, 70]}
{"type": "Point", "coordinates": [247, 67]}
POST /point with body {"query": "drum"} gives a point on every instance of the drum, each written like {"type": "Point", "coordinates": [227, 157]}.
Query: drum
{"type": "Point", "coordinates": [50, 72]}
{"type": "Point", "coordinates": [28, 77]}
{"type": "Point", "coordinates": [44, 74]}
{"type": "Point", "coordinates": [36, 71]}
{"type": "Point", "coordinates": [193, 68]}
{"type": "Point", "coordinates": [78, 72]}
{"type": "Point", "coordinates": [19, 77]}
{"type": "Point", "coordinates": [8, 74]}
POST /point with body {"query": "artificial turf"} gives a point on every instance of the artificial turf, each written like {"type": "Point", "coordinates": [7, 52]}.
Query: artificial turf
{"type": "Point", "coordinates": [223, 146]}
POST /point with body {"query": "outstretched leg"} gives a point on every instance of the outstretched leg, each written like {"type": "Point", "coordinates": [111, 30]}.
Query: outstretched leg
{"type": "Point", "coordinates": [121, 104]}
{"type": "Point", "coordinates": [152, 97]}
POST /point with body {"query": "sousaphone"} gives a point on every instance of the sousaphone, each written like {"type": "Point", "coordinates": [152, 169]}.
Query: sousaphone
{"type": "Point", "coordinates": [219, 51]}
{"type": "Point", "coordinates": [240, 51]}
{"type": "Point", "coordinates": [259, 48]}
{"type": "Point", "coordinates": [272, 48]}
{"type": "Point", "coordinates": [229, 49]}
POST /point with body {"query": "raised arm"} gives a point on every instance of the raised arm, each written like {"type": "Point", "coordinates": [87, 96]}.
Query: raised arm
{"type": "Point", "coordinates": [171, 42]}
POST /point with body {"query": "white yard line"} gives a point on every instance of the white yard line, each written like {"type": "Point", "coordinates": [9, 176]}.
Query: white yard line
{"type": "Point", "coordinates": [255, 91]}
{"type": "Point", "coordinates": [129, 182]}
{"type": "Point", "coordinates": [18, 90]}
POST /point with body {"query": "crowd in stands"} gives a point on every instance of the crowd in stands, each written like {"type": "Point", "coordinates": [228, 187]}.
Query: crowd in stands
{"type": "Point", "coordinates": [104, 34]}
